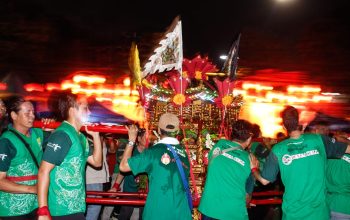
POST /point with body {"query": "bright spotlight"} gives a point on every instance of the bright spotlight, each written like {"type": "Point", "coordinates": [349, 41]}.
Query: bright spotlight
{"type": "Point", "coordinates": [283, 1]}
{"type": "Point", "coordinates": [126, 81]}
{"type": "Point", "coordinates": [223, 57]}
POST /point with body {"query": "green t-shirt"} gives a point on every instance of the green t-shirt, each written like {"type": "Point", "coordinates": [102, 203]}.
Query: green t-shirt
{"type": "Point", "coordinates": [118, 155]}
{"type": "Point", "coordinates": [302, 163]}
{"type": "Point", "coordinates": [225, 189]}
{"type": "Point", "coordinates": [130, 184]}
{"type": "Point", "coordinates": [167, 198]}
{"type": "Point", "coordinates": [338, 184]}
{"type": "Point", "coordinates": [16, 161]}
{"type": "Point", "coordinates": [261, 152]}
{"type": "Point", "coordinates": [68, 151]}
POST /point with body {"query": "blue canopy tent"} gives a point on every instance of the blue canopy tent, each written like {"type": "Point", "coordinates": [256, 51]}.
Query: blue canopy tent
{"type": "Point", "coordinates": [99, 114]}
{"type": "Point", "coordinates": [334, 123]}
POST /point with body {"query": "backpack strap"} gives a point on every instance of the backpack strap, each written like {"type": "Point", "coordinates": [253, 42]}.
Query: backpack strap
{"type": "Point", "coordinates": [182, 173]}
{"type": "Point", "coordinates": [27, 146]}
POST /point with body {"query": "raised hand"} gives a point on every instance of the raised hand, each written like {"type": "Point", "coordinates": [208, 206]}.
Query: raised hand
{"type": "Point", "coordinates": [132, 132]}
{"type": "Point", "coordinates": [92, 133]}
{"type": "Point", "coordinates": [254, 162]}
{"type": "Point", "coordinates": [47, 121]}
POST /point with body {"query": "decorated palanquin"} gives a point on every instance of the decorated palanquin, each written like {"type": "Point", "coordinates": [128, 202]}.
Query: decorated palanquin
{"type": "Point", "coordinates": [204, 101]}
{"type": "Point", "coordinates": [194, 90]}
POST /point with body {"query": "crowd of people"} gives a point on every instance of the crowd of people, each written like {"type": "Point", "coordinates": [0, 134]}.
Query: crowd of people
{"type": "Point", "coordinates": [44, 173]}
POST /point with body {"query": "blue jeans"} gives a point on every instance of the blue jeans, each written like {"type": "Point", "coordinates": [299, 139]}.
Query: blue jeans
{"type": "Point", "coordinates": [93, 211]}
{"type": "Point", "coordinates": [339, 216]}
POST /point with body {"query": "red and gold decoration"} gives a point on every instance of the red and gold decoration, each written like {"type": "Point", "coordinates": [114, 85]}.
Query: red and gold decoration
{"type": "Point", "coordinates": [197, 68]}
{"type": "Point", "coordinates": [224, 100]}
{"type": "Point", "coordinates": [201, 102]}
{"type": "Point", "coordinates": [179, 85]}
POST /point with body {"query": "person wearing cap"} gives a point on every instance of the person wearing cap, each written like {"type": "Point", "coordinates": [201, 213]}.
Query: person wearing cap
{"type": "Point", "coordinates": [229, 180]}
{"type": "Point", "coordinates": [301, 159]}
{"type": "Point", "coordinates": [167, 198]}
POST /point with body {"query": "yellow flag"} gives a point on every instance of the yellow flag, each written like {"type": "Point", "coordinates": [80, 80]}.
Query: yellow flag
{"type": "Point", "coordinates": [134, 64]}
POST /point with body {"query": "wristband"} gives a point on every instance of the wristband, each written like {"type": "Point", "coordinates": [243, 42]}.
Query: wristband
{"type": "Point", "coordinates": [116, 186]}
{"type": "Point", "coordinates": [254, 169]}
{"type": "Point", "coordinates": [42, 211]}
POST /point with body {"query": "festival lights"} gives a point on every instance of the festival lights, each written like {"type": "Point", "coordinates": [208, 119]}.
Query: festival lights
{"type": "Point", "coordinates": [31, 87]}
{"type": "Point", "coordinates": [126, 81]}
{"type": "Point", "coordinates": [69, 84]}
{"type": "Point", "coordinates": [90, 79]}
{"type": "Point", "coordinates": [263, 108]}
{"type": "Point", "coordinates": [52, 86]}
{"type": "Point", "coordinates": [304, 89]}
{"type": "Point", "coordinates": [264, 114]}
{"type": "Point", "coordinates": [262, 101]}
{"type": "Point", "coordinates": [256, 86]}
{"type": "Point", "coordinates": [3, 86]}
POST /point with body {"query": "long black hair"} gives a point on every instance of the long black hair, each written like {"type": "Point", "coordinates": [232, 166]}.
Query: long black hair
{"type": "Point", "coordinates": [13, 104]}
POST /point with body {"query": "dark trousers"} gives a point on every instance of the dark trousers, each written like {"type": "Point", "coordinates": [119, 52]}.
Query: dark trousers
{"type": "Point", "coordinates": [126, 212]}
{"type": "Point", "coordinates": [77, 216]}
{"type": "Point", "coordinates": [29, 216]}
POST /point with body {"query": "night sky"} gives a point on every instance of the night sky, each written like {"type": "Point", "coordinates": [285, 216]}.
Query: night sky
{"type": "Point", "coordinates": [43, 41]}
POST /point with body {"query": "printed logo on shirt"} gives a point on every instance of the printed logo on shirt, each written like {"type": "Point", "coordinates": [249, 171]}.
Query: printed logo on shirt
{"type": "Point", "coordinates": [236, 159]}
{"type": "Point", "coordinates": [165, 159]}
{"type": "Point", "coordinates": [288, 159]}
{"type": "Point", "coordinates": [38, 140]}
{"type": "Point", "coordinates": [54, 146]}
{"type": "Point", "coordinates": [216, 152]}
{"type": "Point", "coordinates": [3, 156]}
{"type": "Point", "coordinates": [346, 158]}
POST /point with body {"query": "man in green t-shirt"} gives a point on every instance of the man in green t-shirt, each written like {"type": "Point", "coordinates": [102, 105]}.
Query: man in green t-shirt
{"type": "Point", "coordinates": [338, 187]}
{"type": "Point", "coordinates": [229, 179]}
{"type": "Point", "coordinates": [18, 168]}
{"type": "Point", "coordinates": [132, 183]}
{"type": "Point", "coordinates": [61, 178]}
{"type": "Point", "coordinates": [167, 199]}
{"type": "Point", "coordinates": [338, 178]}
{"type": "Point", "coordinates": [301, 160]}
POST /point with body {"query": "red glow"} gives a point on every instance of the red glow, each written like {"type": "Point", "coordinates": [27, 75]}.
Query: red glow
{"type": "Point", "coordinates": [3, 86]}
{"type": "Point", "coordinates": [263, 103]}
{"type": "Point", "coordinates": [52, 86]}
{"type": "Point", "coordinates": [31, 87]}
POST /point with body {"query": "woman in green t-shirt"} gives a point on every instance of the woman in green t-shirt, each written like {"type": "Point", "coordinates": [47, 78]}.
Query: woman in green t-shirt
{"type": "Point", "coordinates": [21, 151]}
